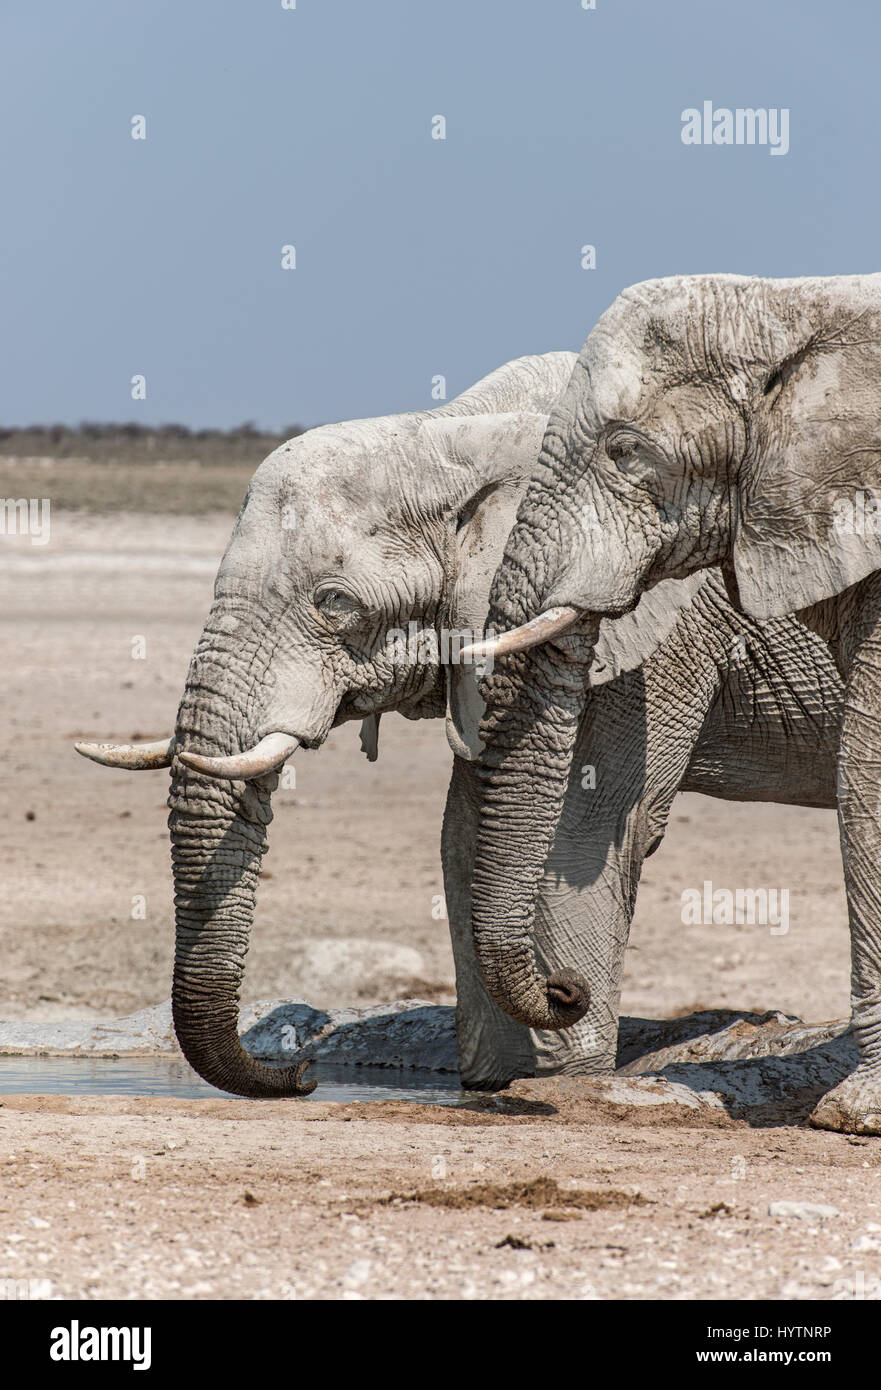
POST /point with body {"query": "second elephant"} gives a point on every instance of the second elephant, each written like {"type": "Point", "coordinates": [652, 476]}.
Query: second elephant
{"type": "Point", "coordinates": [711, 420]}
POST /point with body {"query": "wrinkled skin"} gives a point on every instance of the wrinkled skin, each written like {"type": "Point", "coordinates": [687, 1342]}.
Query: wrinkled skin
{"type": "Point", "coordinates": [350, 530]}
{"type": "Point", "coordinates": [725, 706]}
{"type": "Point", "coordinates": [709, 421]}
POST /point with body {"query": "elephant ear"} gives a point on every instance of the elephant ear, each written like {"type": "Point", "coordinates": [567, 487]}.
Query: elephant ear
{"type": "Point", "coordinates": [805, 526]}
{"type": "Point", "coordinates": [485, 462]}
{"type": "Point", "coordinates": [625, 643]}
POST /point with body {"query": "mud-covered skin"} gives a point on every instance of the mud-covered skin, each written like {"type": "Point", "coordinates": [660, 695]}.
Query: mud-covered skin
{"type": "Point", "coordinates": [726, 706]}
{"type": "Point", "coordinates": [710, 420]}
{"type": "Point", "coordinates": [407, 518]}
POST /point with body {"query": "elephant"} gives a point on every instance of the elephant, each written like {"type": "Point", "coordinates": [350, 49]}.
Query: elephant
{"type": "Point", "coordinates": [348, 535]}
{"type": "Point", "coordinates": [711, 423]}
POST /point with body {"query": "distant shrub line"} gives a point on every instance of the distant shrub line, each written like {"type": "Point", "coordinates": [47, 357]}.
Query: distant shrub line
{"type": "Point", "coordinates": [95, 440]}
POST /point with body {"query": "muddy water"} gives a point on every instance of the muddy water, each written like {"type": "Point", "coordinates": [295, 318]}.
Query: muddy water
{"type": "Point", "coordinates": [161, 1076]}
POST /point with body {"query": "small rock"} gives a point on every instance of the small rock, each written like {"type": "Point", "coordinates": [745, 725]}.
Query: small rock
{"type": "Point", "coordinates": [866, 1245]}
{"type": "Point", "coordinates": [357, 1274]}
{"type": "Point", "coordinates": [803, 1211]}
{"type": "Point", "coordinates": [797, 1292]}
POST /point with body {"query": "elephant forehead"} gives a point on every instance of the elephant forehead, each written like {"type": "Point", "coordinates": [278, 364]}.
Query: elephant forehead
{"type": "Point", "coordinates": [637, 344]}
{"type": "Point", "coordinates": [685, 320]}
{"type": "Point", "coordinates": [336, 470]}
{"type": "Point", "coordinates": [613, 378]}
{"type": "Point", "coordinates": [677, 335]}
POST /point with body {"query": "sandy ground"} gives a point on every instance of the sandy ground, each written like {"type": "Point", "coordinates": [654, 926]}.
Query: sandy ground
{"type": "Point", "coordinates": [345, 917]}
{"type": "Point", "coordinates": [233, 1199]}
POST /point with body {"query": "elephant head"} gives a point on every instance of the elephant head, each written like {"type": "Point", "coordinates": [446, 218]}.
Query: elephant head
{"type": "Point", "coordinates": [352, 537]}
{"type": "Point", "coordinates": [709, 420]}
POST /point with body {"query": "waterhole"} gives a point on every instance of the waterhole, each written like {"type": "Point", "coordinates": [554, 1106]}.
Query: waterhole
{"type": "Point", "coordinates": [171, 1076]}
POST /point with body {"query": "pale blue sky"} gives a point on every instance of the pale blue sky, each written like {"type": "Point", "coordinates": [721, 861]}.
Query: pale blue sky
{"type": "Point", "coordinates": [414, 256]}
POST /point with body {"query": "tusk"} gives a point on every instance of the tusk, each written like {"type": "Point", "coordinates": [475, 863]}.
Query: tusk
{"type": "Point", "coordinates": [137, 757]}
{"type": "Point", "coordinates": [541, 629]}
{"type": "Point", "coordinates": [266, 756]}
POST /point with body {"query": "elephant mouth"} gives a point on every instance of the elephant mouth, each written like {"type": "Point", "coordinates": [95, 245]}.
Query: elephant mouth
{"type": "Point", "coordinates": [276, 745]}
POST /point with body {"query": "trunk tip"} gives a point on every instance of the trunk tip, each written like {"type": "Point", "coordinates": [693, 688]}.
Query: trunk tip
{"type": "Point", "coordinates": [568, 996]}
{"type": "Point", "coordinates": [301, 1087]}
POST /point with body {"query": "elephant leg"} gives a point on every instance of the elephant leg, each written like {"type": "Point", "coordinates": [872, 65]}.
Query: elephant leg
{"type": "Point", "coordinates": [493, 1049]}
{"type": "Point", "coordinates": [587, 894]}
{"type": "Point", "coordinates": [634, 749]}
{"type": "Point", "coordinates": [854, 1106]}
{"type": "Point", "coordinates": [583, 914]}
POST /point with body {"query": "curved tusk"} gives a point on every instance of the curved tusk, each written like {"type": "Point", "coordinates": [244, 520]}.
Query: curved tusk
{"type": "Point", "coordinates": [541, 629]}
{"type": "Point", "coordinates": [137, 757]}
{"type": "Point", "coordinates": [266, 756]}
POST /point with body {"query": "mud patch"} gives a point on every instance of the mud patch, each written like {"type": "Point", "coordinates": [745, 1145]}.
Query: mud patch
{"type": "Point", "coordinates": [537, 1195]}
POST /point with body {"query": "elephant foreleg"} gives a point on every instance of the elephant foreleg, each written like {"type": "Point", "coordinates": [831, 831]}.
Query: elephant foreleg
{"type": "Point", "coordinates": [854, 1106]}
{"type": "Point", "coordinates": [634, 747]}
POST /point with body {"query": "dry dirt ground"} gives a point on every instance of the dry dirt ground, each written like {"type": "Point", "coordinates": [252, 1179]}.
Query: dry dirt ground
{"type": "Point", "coordinates": [160, 1198]}
{"type": "Point", "coordinates": [346, 917]}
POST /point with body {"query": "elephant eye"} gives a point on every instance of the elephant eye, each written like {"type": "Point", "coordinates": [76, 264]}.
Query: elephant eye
{"type": "Point", "coordinates": [337, 606]}
{"type": "Point", "coordinates": [624, 449]}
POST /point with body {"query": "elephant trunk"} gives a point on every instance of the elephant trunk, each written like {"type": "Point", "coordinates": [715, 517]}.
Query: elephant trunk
{"type": "Point", "coordinates": [218, 837]}
{"type": "Point", "coordinates": [535, 702]}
